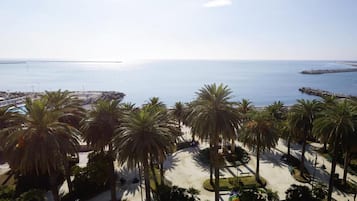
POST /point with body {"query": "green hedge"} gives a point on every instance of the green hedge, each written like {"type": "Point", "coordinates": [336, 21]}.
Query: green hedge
{"type": "Point", "coordinates": [227, 184]}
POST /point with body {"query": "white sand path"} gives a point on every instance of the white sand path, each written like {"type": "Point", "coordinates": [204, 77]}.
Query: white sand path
{"type": "Point", "coordinates": [184, 171]}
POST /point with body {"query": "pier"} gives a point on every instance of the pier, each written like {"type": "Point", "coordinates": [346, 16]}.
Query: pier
{"type": "Point", "coordinates": [322, 93]}
{"type": "Point", "coordinates": [324, 71]}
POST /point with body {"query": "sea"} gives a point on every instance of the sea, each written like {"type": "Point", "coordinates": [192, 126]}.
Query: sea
{"type": "Point", "coordinates": [262, 82]}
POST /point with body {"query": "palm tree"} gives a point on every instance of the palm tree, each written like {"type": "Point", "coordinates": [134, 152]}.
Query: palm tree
{"type": "Point", "coordinates": [278, 111]}
{"type": "Point", "coordinates": [244, 107]}
{"type": "Point", "coordinates": [98, 131]}
{"type": "Point", "coordinates": [38, 142]}
{"type": "Point", "coordinates": [288, 132]}
{"type": "Point", "coordinates": [72, 113]}
{"type": "Point", "coordinates": [68, 104]}
{"type": "Point", "coordinates": [260, 134]}
{"type": "Point", "coordinates": [148, 124]}
{"type": "Point", "coordinates": [327, 102]}
{"type": "Point", "coordinates": [155, 103]}
{"type": "Point", "coordinates": [339, 122]}
{"type": "Point", "coordinates": [5, 115]}
{"type": "Point", "coordinates": [302, 116]}
{"type": "Point", "coordinates": [178, 112]}
{"type": "Point", "coordinates": [214, 117]}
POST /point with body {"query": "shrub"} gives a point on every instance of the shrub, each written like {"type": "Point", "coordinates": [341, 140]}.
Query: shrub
{"type": "Point", "coordinates": [258, 194]}
{"type": "Point", "coordinates": [6, 193]}
{"type": "Point", "coordinates": [299, 192]}
{"type": "Point", "coordinates": [32, 181]}
{"type": "Point", "coordinates": [239, 155]}
{"type": "Point", "coordinates": [92, 179]}
{"type": "Point", "coordinates": [175, 193]}
{"type": "Point", "coordinates": [204, 157]}
{"type": "Point", "coordinates": [32, 195]}
{"type": "Point", "coordinates": [228, 184]}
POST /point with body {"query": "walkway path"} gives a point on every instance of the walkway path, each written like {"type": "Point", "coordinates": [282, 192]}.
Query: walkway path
{"type": "Point", "coordinates": [183, 170]}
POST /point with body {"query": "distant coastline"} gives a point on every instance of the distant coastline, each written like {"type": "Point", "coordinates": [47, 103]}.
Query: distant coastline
{"type": "Point", "coordinates": [324, 71]}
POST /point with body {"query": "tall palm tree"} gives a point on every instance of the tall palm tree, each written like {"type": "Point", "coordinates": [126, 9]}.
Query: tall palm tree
{"type": "Point", "coordinates": [98, 131]}
{"type": "Point", "coordinates": [5, 115]}
{"type": "Point", "coordinates": [327, 102]}
{"type": "Point", "coordinates": [38, 143]}
{"type": "Point", "coordinates": [154, 128]}
{"type": "Point", "coordinates": [178, 112]}
{"type": "Point", "coordinates": [244, 107]}
{"type": "Point", "coordinates": [68, 104]}
{"type": "Point", "coordinates": [278, 111]}
{"type": "Point", "coordinates": [279, 114]}
{"type": "Point", "coordinates": [72, 113]}
{"type": "Point", "coordinates": [301, 119]}
{"type": "Point", "coordinates": [288, 132]}
{"type": "Point", "coordinates": [155, 105]}
{"type": "Point", "coordinates": [339, 122]}
{"type": "Point", "coordinates": [215, 117]}
{"type": "Point", "coordinates": [260, 134]}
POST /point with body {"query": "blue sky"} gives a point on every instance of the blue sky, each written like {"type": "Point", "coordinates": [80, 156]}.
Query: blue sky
{"type": "Point", "coordinates": [179, 29]}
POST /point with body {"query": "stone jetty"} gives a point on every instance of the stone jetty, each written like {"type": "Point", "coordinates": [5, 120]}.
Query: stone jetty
{"type": "Point", "coordinates": [324, 71]}
{"type": "Point", "coordinates": [322, 93]}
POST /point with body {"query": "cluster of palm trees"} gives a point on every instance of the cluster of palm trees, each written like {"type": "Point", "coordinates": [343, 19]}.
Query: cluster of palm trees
{"type": "Point", "coordinates": [41, 140]}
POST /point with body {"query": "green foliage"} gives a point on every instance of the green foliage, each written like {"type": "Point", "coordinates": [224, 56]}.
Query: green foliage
{"type": "Point", "coordinates": [31, 181]}
{"type": "Point", "coordinates": [299, 192]}
{"type": "Point", "coordinates": [251, 194]}
{"type": "Point", "coordinates": [175, 193]}
{"type": "Point", "coordinates": [6, 193]}
{"type": "Point", "coordinates": [319, 191]}
{"type": "Point", "coordinates": [239, 155]}
{"type": "Point", "coordinates": [204, 157]}
{"type": "Point", "coordinates": [32, 195]}
{"type": "Point", "coordinates": [92, 179]}
{"type": "Point", "coordinates": [228, 184]}
{"type": "Point", "coordinates": [257, 194]}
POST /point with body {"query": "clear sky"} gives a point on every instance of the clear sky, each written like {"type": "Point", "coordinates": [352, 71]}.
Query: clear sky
{"type": "Point", "coordinates": [179, 29]}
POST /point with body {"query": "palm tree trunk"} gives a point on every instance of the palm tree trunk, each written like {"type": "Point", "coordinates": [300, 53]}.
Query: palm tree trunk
{"type": "Point", "coordinates": [147, 180]}
{"type": "Point", "coordinates": [153, 173]}
{"type": "Point", "coordinates": [289, 144]}
{"type": "Point", "coordinates": [233, 146]}
{"type": "Point", "coordinates": [67, 173]}
{"type": "Point", "coordinates": [216, 172]}
{"type": "Point", "coordinates": [112, 173]}
{"type": "Point", "coordinates": [210, 164]}
{"type": "Point", "coordinates": [302, 163]}
{"type": "Point", "coordinates": [325, 146]}
{"type": "Point", "coordinates": [161, 173]}
{"type": "Point", "coordinates": [333, 169]}
{"type": "Point", "coordinates": [257, 176]}
{"type": "Point", "coordinates": [345, 167]}
{"type": "Point", "coordinates": [54, 187]}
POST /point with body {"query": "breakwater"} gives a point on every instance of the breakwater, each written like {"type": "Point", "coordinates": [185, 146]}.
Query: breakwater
{"type": "Point", "coordinates": [324, 71]}
{"type": "Point", "coordinates": [322, 93]}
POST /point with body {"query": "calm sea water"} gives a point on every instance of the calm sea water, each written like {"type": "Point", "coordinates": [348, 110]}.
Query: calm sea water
{"type": "Point", "coordinates": [263, 82]}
